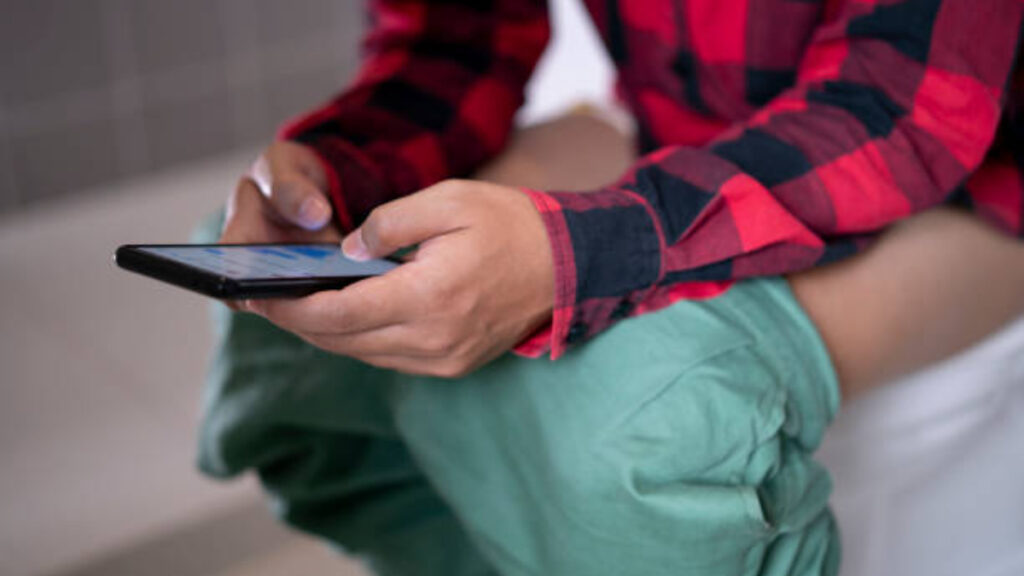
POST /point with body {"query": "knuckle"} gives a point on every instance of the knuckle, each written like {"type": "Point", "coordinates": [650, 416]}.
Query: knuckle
{"type": "Point", "coordinates": [279, 187]}
{"type": "Point", "coordinates": [285, 192]}
{"type": "Point", "coordinates": [452, 369]}
{"type": "Point", "coordinates": [456, 188]}
{"type": "Point", "coordinates": [334, 312]}
{"type": "Point", "coordinates": [277, 148]}
{"type": "Point", "coordinates": [286, 149]}
{"type": "Point", "coordinates": [440, 342]}
{"type": "Point", "coordinates": [441, 293]}
{"type": "Point", "coordinates": [321, 342]}
{"type": "Point", "coordinates": [243, 187]}
{"type": "Point", "coordinates": [458, 184]}
{"type": "Point", "coordinates": [466, 307]}
{"type": "Point", "coordinates": [377, 227]}
{"type": "Point", "coordinates": [385, 363]}
{"type": "Point", "coordinates": [237, 202]}
{"type": "Point", "coordinates": [437, 294]}
{"type": "Point", "coordinates": [277, 155]}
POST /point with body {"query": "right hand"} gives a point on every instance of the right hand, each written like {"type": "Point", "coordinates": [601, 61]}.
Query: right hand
{"type": "Point", "coordinates": [284, 198]}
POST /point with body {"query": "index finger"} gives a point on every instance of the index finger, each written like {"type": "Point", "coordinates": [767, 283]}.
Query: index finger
{"type": "Point", "coordinates": [368, 304]}
{"type": "Point", "coordinates": [292, 157]}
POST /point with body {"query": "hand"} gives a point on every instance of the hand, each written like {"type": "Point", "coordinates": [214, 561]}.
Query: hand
{"type": "Point", "coordinates": [480, 281]}
{"type": "Point", "coordinates": [283, 199]}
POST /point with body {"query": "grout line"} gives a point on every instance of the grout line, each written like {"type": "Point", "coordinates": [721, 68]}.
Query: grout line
{"type": "Point", "coordinates": [306, 55]}
{"type": "Point", "coordinates": [180, 83]}
{"type": "Point", "coordinates": [74, 107]}
{"type": "Point", "coordinates": [9, 181]}
{"type": "Point", "coordinates": [247, 94]}
{"type": "Point", "coordinates": [133, 153]}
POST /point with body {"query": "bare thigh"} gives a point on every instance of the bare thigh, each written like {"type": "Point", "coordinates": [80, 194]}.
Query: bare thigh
{"type": "Point", "coordinates": [929, 287]}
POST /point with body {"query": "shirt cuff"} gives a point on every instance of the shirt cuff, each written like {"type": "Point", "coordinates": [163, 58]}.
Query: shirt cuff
{"type": "Point", "coordinates": [607, 250]}
{"type": "Point", "coordinates": [536, 345]}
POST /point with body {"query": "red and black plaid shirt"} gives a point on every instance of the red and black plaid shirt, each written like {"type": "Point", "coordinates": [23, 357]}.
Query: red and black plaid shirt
{"type": "Point", "coordinates": [780, 134]}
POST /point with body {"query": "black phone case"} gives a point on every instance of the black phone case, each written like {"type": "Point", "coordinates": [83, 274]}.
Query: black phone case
{"type": "Point", "coordinates": [182, 275]}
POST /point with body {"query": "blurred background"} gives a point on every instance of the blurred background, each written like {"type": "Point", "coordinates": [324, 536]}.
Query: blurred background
{"type": "Point", "coordinates": [129, 121]}
{"type": "Point", "coordinates": [111, 89]}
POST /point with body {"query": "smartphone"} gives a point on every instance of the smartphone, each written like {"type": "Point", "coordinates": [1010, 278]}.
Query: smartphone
{"type": "Point", "coordinates": [243, 271]}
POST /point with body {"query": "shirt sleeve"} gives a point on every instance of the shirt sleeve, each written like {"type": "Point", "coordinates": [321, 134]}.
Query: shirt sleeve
{"type": "Point", "coordinates": [435, 97]}
{"type": "Point", "coordinates": [895, 105]}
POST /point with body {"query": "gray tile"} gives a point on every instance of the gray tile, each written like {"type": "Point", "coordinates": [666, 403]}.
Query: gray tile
{"type": "Point", "coordinates": [188, 129]}
{"type": "Point", "coordinates": [174, 34]}
{"type": "Point", "coordinates": [49, 48]}
{"type": "Point", "coordinates": [65, 159]}
{"type": "Point", "coordinates": [8, 207]}
{"type": "Point", "coordinates": [350, 23]}
{"type": "Point", "coordinates": [294, 93]}
{"type": "Point", "coordinates": [307, 66]}
{"type": "Point", "coordinates": [253, 125]}
{"type": "Point", "coordinates": [8, 191]}
{"type": "Point", "coordinates": [285, 22]}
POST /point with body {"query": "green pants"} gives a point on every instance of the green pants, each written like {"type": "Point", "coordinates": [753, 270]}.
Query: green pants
{"type": "Point", "coordinates": [678, 442]}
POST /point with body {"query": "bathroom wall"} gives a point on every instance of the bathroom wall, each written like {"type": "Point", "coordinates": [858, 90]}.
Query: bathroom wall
{"type": "Point", "coordinates": [94, 91]}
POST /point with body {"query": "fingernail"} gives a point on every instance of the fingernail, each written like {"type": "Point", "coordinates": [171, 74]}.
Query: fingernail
{"type": "Point", "coordinates": [354, 248]}
{"type": "Point", "coordinates": [314, 212]}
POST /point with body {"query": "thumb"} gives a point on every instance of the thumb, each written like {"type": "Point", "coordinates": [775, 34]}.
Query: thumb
{"type": "Point", "coordinates": [294, 197]}
{"type": "Point", "coordinates": [399, 224]}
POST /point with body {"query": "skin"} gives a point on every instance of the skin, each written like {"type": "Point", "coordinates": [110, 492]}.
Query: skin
{"type": "Point", "coordinates": [480, 281]}
{"type": "Point", "coordinates": [281, 200]}
{"type": "Point", "coordinates": [929, 287]}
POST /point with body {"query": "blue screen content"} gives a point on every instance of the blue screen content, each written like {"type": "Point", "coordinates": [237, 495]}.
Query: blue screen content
{"type": "Point", "coordinates": [277, 261]}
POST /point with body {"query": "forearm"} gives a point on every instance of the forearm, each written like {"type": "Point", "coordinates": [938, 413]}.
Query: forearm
{"type": "Point", "coordinates": [435, 97]}
{"type": "Point", "coordinates": [885, 120]}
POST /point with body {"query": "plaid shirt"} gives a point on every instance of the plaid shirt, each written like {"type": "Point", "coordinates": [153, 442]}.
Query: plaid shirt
{"type": "Point", "coordinates": [780, 134]}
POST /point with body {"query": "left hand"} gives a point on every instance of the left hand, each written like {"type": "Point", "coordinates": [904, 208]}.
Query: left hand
{"type": "Point", "coordinates": [481, 280]}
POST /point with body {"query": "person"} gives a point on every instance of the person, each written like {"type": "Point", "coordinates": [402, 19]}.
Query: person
{"type": "Point", "coordinates": [793, 233]}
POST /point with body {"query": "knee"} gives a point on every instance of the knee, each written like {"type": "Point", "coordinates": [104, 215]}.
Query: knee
{"type": "Point", "coordinates": [693, 440]}
{"type": "Point", "coordinates": [688, 468]}
{"type": "Point", "coordinates": [700, 475]}
{"type": "Point", "coordinates": [713, 424]}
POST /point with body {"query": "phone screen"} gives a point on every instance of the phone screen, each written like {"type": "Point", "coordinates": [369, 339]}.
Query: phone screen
{"type": "Point", "coordinates": [271, 261]}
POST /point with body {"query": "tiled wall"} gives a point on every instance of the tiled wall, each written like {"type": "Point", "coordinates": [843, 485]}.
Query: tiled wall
{"type": "Point", "coordinates": [92, 91]}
